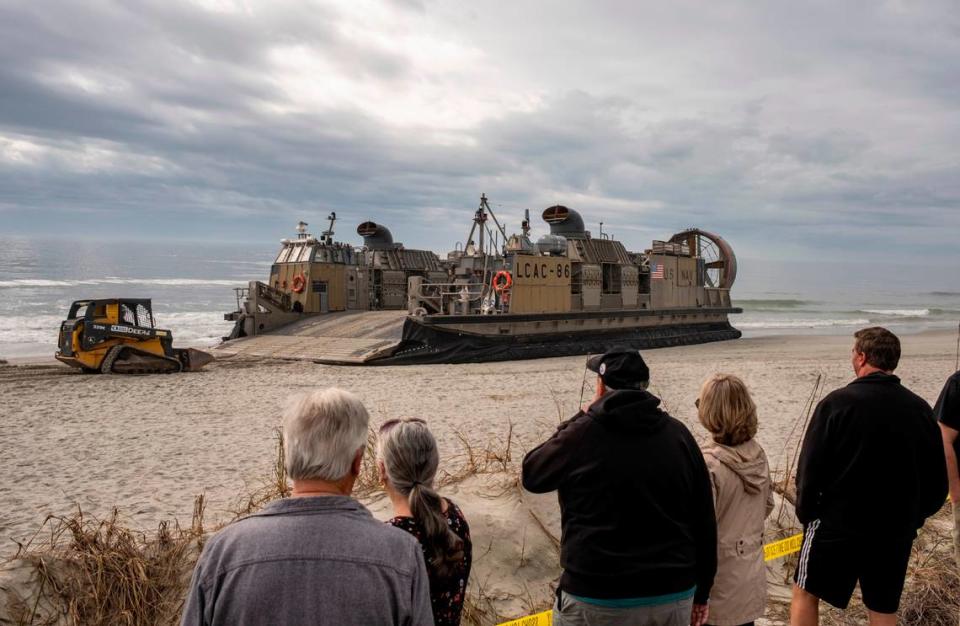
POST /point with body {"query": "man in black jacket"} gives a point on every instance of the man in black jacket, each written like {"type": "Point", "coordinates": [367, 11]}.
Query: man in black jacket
{"type": "Point", "coordinates": [871, 471]}
{"type": "Point", "coordinates": [947, 412]}
{"type": "Point", "coordinates": [639, 541]}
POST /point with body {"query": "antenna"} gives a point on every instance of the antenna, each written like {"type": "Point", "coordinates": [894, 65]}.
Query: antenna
{"type": "Point", "coordinates": [582, 383]}
{"type": "Point", "coordinates": [486, 205]}
{"type": "Point", "coordinates": [327, 235]}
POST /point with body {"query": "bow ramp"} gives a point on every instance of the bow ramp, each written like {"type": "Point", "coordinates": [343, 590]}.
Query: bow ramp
{"type": "Point", "coordinates": [348, 337]}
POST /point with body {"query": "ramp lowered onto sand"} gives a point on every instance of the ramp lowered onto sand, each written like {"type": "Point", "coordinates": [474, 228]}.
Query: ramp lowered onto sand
{"type": "Point", "coordinates": [348, 337]}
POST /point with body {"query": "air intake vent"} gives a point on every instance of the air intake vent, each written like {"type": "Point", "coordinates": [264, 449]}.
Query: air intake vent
{"type": "Point", "coordinates": [564, 221]}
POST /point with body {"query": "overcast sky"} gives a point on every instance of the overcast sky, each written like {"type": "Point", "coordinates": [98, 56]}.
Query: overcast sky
{"type": "Point", "coordinates": [795, 129]}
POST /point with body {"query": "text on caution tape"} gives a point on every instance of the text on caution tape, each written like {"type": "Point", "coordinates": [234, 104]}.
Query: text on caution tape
{"type": "Point", "coordinates": [780, 549]}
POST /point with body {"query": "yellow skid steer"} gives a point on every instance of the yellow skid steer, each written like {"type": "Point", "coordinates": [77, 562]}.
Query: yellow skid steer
{"type": "Point", "coordinates": [117, 336]}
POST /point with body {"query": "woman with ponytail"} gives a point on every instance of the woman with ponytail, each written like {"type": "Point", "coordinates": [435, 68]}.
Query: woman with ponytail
{"type": "Point", "coordinates": [407, 459]}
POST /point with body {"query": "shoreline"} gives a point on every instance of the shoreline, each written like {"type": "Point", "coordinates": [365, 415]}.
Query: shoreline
{"type": "Point", "coordinates": [750, 335]}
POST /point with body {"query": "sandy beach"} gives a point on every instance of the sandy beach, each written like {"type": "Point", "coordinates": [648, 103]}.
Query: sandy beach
{"type": "Point", "coordinates": [148, 445]}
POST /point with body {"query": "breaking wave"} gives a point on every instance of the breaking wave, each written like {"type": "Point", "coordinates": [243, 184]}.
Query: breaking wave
{"type": "Point", "coordinates": [802, 323]}
{"type": "Point", "coordinates": [897, 312]}
{"type": "Point", "coordinates": [36, 335]}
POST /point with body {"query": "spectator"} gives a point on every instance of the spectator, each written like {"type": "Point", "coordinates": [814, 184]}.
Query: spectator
{"type": "Point", "coordinates": [871, 471]}
{"type": "Point", "coordinates": [317, 557]}
{"type": "Point", "coordinates": [947, 412]}
{"type": "Point", "coordinates": [639, 543]}
{"type": "Point", "coordinates": [407, 459]}
{"type": "Point", "coordinates": [742, 498]}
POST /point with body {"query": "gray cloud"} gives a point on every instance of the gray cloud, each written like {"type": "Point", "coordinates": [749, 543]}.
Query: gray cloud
{"type": "Point", "coordinates": [792, 130]}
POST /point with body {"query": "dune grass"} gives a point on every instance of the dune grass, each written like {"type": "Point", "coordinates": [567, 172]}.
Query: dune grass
{"type": "Point", "coordinates": [89, 571]}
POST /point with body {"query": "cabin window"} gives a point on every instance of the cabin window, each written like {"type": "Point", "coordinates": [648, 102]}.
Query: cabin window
{"type": "Point", "coordinates": [127, 316]}
{"type": "Point", "coordinates": [144, 317]}
{"type": "Point", "coordinates": [284, 254]}
{"type": "Point", "coordinates": [305, 253]}
{"type": "Point", "coordinates": [611, 278]}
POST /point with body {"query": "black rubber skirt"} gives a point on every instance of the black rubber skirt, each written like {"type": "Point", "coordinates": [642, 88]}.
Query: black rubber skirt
{"type": "Point", "coordinates": [423, 343]}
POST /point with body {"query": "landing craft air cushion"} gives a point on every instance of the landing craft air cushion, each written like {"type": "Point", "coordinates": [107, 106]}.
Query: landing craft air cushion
{"type": "Point", "coordinates": [494, 298]}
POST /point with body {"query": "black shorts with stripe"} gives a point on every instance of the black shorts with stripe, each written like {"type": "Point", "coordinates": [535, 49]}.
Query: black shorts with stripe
{"type": "Point", "coordinates": [832, 562]}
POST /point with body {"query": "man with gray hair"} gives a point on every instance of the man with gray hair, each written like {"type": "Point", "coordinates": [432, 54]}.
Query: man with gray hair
{"type": "Point", "coordinates": [317, 557]}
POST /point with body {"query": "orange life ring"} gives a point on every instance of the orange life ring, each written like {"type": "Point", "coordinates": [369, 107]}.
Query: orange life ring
{"type": "Point", "coordinates": [504, 284]}
{"type": "Point", "coordinates": [299, 283]}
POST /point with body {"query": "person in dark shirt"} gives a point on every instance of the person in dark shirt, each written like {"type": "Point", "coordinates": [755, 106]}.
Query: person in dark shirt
{"type": "Point", "coordinates": [871, 471]}
{"type": "Point", "coordinates": [639, 535]}
{"type": "Point", "coordinates": [947, 412]}
{"type": "Point", "coordinates": [407, 459]}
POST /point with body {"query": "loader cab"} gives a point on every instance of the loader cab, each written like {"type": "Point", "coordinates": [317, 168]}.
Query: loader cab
{"type": "Point", "coordinates": [131, 312]}
{"type": "Point", "coordinates": [94, 326]}
{"type": "Point", "coordinates": [118, 336]}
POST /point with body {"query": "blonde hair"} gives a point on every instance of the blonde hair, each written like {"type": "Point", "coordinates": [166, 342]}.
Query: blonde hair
{"type": "Point", "coordinates": [726, 410]}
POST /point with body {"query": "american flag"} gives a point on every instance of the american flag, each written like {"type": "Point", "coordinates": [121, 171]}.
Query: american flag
{"type": "Point", "coordinates": [656, 270]}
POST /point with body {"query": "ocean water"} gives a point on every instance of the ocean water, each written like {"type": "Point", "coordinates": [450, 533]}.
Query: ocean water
{"type": "Point", "coordinates": [828, 297]}
{"type": "Point", "coordinates": [926, 311]}
{"type": "Point", "coordinates": [191, 285]}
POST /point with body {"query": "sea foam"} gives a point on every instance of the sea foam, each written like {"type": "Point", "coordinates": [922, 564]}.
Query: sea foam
{"type": "Point", "coordinates": [898, 312]}
{"type": "Point", "coordinates": [801, 323]}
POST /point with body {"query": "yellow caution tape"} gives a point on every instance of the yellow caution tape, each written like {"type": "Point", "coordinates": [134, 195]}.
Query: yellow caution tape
{"type": "Point", "coordinates": [771, 551]}
{"type": "Point", "coordinates": [540, 619]}
{"type": "Point", "coordinates": [780, 549]}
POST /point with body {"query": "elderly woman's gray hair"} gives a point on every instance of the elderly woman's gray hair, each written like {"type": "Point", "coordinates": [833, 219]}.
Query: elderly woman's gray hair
{"type": "Point", "coordinates": [323, 430]}
{"type": "Point", "coordinates": [410, 460]}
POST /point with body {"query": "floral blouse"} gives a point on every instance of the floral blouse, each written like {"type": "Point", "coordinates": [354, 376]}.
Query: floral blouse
{"type": "Point", "coordinates": [446, 594]}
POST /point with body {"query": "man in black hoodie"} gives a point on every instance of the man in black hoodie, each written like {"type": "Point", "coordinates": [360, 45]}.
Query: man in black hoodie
{"type": "Point", "coordinates": [871, 471]}
{"type": "Point", "coordinates": [947, 412]}
{"type": "Point", "coordinates": [639, 541]}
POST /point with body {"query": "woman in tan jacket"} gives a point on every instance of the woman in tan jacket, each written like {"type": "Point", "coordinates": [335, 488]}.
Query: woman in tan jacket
{"type": "Point", "coordinates": [742, 497]}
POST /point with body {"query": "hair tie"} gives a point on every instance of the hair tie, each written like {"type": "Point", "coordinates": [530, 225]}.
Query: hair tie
{"type": "Point", "coordinates": [416, 482]}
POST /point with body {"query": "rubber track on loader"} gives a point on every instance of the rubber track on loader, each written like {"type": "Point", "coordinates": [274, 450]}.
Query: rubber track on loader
{"type": "Point", "coordinates": [130, 360]}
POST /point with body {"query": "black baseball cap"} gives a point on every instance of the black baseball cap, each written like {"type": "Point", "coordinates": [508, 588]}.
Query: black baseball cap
{"type": "Point", "coordinates": [621, 368]}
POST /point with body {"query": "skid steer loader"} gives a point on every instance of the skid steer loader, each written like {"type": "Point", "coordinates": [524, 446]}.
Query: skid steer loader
{"type": "Point", "coordinates": [117, 336]}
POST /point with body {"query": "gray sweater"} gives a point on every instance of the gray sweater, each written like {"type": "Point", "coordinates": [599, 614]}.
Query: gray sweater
{"type": "Point", "coordinates": [319, 560]}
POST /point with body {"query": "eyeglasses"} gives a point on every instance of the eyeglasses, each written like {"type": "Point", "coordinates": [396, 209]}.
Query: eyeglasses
{"type": "Point", "coordinates": [390, 423]}
{"type": "Point", "coordinates": [696, 403]}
